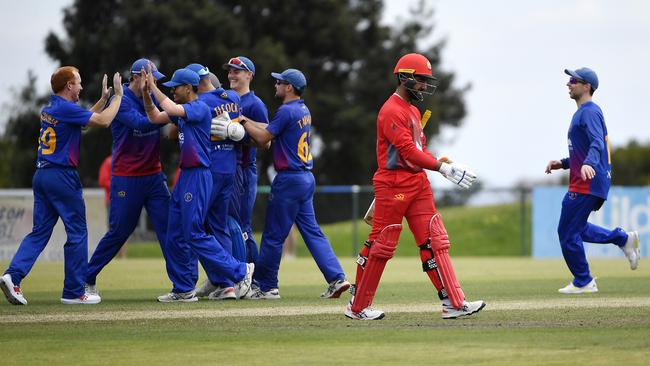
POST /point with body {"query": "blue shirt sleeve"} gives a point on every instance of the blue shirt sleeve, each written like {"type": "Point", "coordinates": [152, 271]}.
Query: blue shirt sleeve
{"type": "Point", "coordinates": [279, 122]}
{"type": "Point", "coordinates": [74, 114]}
{"type": "Point", "coordinates": [193, 111]}
{"type": "Point", "coordinates": [129, 116]}
{"type": "Point", "coordinates": [593, 126]}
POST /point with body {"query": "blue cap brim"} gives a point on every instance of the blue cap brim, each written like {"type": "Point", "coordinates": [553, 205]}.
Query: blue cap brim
{"type": "Point", "coordinates": [277, 76]}
{"type": "Point", "coordinates": [171, 84]}
{"type": "Point", "coordinates": [158, 75]}
{"type": "Point", "coordinates": [572, 74]}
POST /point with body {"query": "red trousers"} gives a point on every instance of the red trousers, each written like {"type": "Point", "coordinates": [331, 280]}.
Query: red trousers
{"type": "Point", "coordinates": [400, 194]}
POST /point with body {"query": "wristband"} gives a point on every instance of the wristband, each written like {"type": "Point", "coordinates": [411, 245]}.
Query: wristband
{"type": "Point", "coordinates": [242, 120]}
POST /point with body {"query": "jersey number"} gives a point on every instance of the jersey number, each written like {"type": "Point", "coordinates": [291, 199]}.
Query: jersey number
{"type": "Point", "coordinates": [47, 141]}
{"type": "Point", "coordinates": [303, 148]}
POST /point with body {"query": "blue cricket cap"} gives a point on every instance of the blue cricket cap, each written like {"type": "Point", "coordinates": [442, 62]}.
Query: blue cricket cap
{"type": "Point", "coordinates": [240, 63]}
{"type": "Point", "coordinates": [203, 71]}
{"type": "Point", "coordinates": [293, 77]}
{"type": "Point", "coordinates": [585, 74]}
{"type": "Point", "coordinates": [139, 64]}
{"type": "Point", "coordinates": [183, 77]}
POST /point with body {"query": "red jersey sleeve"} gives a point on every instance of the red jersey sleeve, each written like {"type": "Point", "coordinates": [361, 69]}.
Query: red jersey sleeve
{"type": "Point", "coordinates": [397, 131]}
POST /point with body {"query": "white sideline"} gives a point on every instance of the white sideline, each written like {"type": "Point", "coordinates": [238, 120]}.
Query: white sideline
{"type": "Point", "coordinates": [582, 301]}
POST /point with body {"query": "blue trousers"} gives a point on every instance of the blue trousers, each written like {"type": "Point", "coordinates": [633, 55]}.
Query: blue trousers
{"type": "Point", "coordinates": [291, 200]}
{"type": "Point", "coordinates": [217, 219]}
{"type": "Point", "coordinates": [249, 193]}
{"type": "Point", "coordinates": [574, 229]}
{"type": "Point", "coordinates": [186, 235]}
{"type": "Point", "coordinates": [128, 196]}
{"type": "Point", "coordinates": [57, 193]}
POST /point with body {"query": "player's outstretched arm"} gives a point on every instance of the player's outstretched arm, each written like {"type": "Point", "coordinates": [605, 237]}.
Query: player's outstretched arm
{"type": "Point", "coordinates": [104, 118]}
{"type": "Point", "coordinates": [106, 93]}
{"type": "Point", "coordinates": [553, 165]}
{"type": "Point", "coordinates": [257, 131]}
{"type": "Point", "coordinates": [155, 116]}
{"type": "Point", "coordinates": [168, 106]}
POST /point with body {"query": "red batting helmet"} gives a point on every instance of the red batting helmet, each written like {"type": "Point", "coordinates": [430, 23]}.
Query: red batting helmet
{"type": "Point", "coordinates": [414, 68]}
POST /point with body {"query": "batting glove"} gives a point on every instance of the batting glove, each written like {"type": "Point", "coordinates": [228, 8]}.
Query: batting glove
{"type": "Point", "coordinates": [223, 127]}
{"type": "Point", "coordinates": [458, 174]}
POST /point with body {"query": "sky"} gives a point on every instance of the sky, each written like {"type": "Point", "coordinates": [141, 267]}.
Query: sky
{"type": "Point", "coordinates": [513, 53]}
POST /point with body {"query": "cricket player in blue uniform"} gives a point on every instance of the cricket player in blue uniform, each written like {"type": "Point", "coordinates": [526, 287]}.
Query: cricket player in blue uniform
{"type": "Point", "coordinates": [589, 181]}
{"type": "Point", "coordinates": [190, 199]}
{"type": "Point", "coordinates": [57, 188]}
{"type": "Point", "coordinates": [223, 164]}
{"type": "Point", "coordinates": [292, 190]}
{"type": "Point", "coordinates": [240, 74]}
{"type": "Point", "coordinates": [137, 179]}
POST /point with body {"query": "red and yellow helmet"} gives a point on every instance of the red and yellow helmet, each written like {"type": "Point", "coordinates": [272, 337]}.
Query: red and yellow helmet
{"type": "Point", "coordinates": [413, 63]}
{"type": "Point", "coordinates": [412, 69]}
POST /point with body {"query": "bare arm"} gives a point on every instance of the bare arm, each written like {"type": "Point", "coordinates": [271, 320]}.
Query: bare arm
{"type": "Point", "coordinates": [104, 118]}
{"type": "Point", "coordinates": [167, 105]}
{"type": "Point", "coordinates": [106, 93]}
{"type": "Point", "coordinates": [155, 116]}
{"type": "Point", "coordinates": [257, 131]}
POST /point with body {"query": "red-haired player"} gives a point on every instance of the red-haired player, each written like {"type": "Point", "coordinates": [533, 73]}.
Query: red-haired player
{"type": "Point", "coordinates": [403, 190]}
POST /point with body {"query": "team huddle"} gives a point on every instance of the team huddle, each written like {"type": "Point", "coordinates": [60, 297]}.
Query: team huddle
{"type": "Point", "coordinates": [206, 220]}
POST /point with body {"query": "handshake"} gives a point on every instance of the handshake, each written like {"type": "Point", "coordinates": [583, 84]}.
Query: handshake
{"type": "Point", "coordinates": [224, 128]}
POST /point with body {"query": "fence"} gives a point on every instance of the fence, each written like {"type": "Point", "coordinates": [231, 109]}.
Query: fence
{"type": "Point", "coordinates": [331, 203]}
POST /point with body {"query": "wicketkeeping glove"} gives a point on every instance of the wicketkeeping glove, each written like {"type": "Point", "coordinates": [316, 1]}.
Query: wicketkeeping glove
{"type": "Point", "coordinates": [458, 174]}
{"type": "Point", "coordinates": [223, 127]}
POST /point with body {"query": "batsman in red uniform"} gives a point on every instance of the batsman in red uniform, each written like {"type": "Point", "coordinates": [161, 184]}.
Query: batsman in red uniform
{"type": "Point", "coordinates": [402, 189]}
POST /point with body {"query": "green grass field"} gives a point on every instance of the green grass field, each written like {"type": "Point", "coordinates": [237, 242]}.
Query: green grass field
{"type": "Point", "coordinates": [526, 320]}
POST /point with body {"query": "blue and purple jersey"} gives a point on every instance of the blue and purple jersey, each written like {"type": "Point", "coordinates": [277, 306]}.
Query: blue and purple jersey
{"type": "Point", "coordinates": [136, 141]}
{"type": "Point", "coordinates": [291, 129]}
{"type": "Point", "coordinates": [253, 108]}
{"type": "Point", "coordinates": [222, 152]}
{"type": "Point", "coordinates": [61, 122]}
{"type": "Point", "coordinates": [194, 135]}
{"type": "Point", "coordinates": [589, 144]}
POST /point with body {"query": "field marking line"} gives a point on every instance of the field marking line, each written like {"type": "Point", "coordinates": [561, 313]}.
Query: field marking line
{"type": "Point", "coordinates": [580, 301]}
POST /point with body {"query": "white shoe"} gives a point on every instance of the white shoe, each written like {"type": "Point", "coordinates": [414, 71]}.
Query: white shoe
{"type": "Point", "coordinates": [243, 287]}
{"type": "Point", "coordinates": [365, 314]}
{"type": "Point", "coordinates": [178, 297]}
{"type": "Point", "coordinates": [570, 289]}
{"type": "Point", "coordinates": [205, 289]}
{"type": "Point", "coordinates": [256, 293]}
{"type": "Point", "coordinates": [91, 289]}
{"type": "Point", "coordinates": [85, 299]}
{"type": "Point", "coordinates": [335, 289]}
{"type": "Point", "coordinates": [468, 308]}
{"type": "Point", "coordinates": [12, 292]}
{"type": "Point", "coordinates": [227, 293]}
{"type": "Point", "coordinates": [631, 249]}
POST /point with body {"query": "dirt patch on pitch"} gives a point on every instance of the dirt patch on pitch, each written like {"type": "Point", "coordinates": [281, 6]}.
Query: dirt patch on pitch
{"type": "Point", "coordinates": [568, 303]}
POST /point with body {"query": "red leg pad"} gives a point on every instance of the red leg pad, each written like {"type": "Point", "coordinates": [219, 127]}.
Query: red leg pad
{"type": "Point", "coordinates": [361, 261]}
{"type": "Point", "coordinates": [425, 256]}
{"type": "Point", "coordinates": [440, 246]}
{"type": "Point", "coordinates": [380, 252]}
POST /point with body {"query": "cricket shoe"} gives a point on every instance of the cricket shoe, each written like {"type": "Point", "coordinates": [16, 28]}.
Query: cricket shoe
{"type": "Point", "coordinates": [256, 293]}
{"type": "Point", "coordinates": [178, 297]}
{"type": "Point", "coordinates": [226, 293]}
{"type": "Point", "coordinates": [91, 289]}
{"type": "Point", "coordinates": [365, 314]}
{"type": "Point", "coordinates": [243, 287]}
{"type": "Point", "coordinates": [631, 249]}
{"type": "Point", "coordinates": [335, 289]}
{"type": "Point", "coordinates": [468, 308]}
{"type": "Point", "coordinates": [85, 299]}
{"type": "Point", "coordinates": [205, 289]}
{"type": "Point", "coordinates": [571, 289]}
{"type": "Point", "coordinates": [12, 292]}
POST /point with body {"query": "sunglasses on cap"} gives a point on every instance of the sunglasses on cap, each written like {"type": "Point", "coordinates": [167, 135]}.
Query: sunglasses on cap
{"type": "Point", "coordinates": [281, 82]}
{"type": "Point", "coordinates": [574, 80]}
{"type": "Point", "coordinates": [236, 61]}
